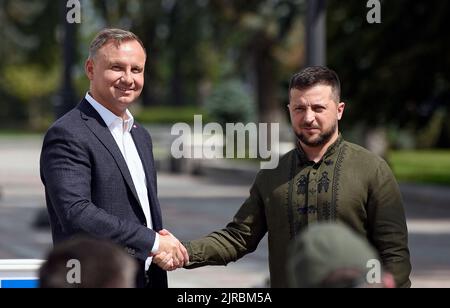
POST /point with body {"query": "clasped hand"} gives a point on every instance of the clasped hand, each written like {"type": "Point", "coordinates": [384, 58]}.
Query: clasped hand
{"type": "Point", "coordinates": [171, 254]}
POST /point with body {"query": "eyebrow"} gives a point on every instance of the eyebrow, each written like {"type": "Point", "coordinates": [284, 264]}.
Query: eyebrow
{"type": "Point", "coordinates": [313, 104]}
{"type": "Point", "coordinates": [115, 62]}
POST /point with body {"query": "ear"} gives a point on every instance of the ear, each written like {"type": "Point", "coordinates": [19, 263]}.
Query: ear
{"type": "Point", "coordinates": [89, 68]}
{"type": "Point", "coordinates": [340, 110]}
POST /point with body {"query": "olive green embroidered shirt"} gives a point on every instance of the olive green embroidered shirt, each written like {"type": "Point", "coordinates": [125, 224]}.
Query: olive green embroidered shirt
{"type": "Point", "coordinates": [349, 184]}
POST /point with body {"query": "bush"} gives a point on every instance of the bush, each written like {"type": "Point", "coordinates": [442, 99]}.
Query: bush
{"type": "Point", "coordinates": [230, 102]}
{"type": "Point", "coordinates": [168, 114]}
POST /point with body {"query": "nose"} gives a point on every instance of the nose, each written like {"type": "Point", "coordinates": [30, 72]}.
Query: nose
{"type": "Point", "coordinates": [309, 116]}
{"type": "Point", "coordinates": [126, 78]}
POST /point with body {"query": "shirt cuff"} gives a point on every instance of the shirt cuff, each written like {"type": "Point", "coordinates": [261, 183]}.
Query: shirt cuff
{"type": "Point", "coordinates": [155, 247]}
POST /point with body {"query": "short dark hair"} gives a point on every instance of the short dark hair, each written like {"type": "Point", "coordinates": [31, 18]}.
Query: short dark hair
{"type": "Point", "coordinates": [117, 35]}
{"type": "Point", "coordinates": [317, 75]}
{"type": "Point", "coordinates": [103, 264]}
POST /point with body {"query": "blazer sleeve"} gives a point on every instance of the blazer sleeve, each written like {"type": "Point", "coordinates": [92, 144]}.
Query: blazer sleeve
{"type": "Point", "coordinates": [66, 174]}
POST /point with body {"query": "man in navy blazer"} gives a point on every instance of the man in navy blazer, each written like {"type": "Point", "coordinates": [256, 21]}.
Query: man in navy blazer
{"type": "Point", "coordinates": [97, 164]}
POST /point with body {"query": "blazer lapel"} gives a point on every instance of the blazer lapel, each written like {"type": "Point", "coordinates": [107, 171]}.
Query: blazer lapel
{"type": "Point", "coordinates": [145, 153]}
{"type": "Point", "coordinates": [98, 127]}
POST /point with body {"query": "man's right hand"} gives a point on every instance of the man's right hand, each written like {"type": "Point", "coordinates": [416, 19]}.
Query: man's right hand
{"type": "Point", "coordinates": [170, 245]}
{"type": "Point", "coordinates": [164, 261]}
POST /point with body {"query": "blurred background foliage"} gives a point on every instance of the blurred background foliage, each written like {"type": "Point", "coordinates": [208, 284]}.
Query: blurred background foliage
{"type": "Point", "coordinates": [231, 60]}
{"type": "Point", "coordinates": [230, 102]}
{"type": "Point", "coordinates": [422, 166]}
{"type": "Point", "coordinates": [394, 74]}
{"type": "Point", "coordinates": [193, 46]}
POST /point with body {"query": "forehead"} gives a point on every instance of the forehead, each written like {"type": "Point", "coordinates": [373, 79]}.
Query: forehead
{"type": "Point", "coordinates": [315, 94]}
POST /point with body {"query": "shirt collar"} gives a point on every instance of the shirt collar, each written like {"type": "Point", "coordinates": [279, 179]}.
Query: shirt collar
{"type": "Point", "coordinates": [108, 117]}
{"type": "Point", "coordinates": [330, 151]}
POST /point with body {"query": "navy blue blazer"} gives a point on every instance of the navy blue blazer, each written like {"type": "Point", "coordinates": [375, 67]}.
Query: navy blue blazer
{"type": "Point", "coordinates": [89, 189]}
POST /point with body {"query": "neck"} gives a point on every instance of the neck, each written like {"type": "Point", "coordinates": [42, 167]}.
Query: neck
{"type": "Point", "coordinates": [315, 153]}
{"type": "Point", "coordinates": [120, 113]}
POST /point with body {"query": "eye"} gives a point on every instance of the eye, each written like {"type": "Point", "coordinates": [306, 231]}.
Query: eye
{"type": "Point", "coordinates": [319, 109]}
{"type": "Point", "coordinates": [137, 70]}
{"type": "Point", "coordinates": [116, 68]}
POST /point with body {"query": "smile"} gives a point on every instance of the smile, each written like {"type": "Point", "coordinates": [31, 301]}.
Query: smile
{"type": "Point", "coordinates": [123, 90]}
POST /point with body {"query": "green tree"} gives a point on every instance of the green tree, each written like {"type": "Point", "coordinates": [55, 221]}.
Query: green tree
{"type": "Point", "coordinates": [28, 60]}
{"type": "Point", "coordinates": [176, 38]}
{"type": "Point", "coordinates": [265, 39]}
{"type": "Point", "coordinates": [394, 73]}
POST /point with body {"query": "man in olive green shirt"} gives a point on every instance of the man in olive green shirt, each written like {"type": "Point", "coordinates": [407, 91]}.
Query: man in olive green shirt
{"type": "Point", "coordinates": [324, 179]}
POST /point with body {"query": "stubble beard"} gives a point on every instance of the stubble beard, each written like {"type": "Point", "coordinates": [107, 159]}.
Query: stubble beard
{"type": "Point", "coordinates": [320, 140]}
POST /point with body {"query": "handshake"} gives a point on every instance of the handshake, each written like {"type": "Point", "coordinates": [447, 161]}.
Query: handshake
{"type": "Point", "coordinates": [171, 253]}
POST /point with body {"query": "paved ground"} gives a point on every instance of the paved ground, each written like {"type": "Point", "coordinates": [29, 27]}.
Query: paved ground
{"type": "Point", "coordinates": [195, 206]}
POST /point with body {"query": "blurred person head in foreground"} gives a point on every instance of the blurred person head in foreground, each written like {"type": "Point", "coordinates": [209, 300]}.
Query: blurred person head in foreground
{"type": "Point", "coordinates": [88, 263]}
{"type": "Point", "coordinates": [331, 255]}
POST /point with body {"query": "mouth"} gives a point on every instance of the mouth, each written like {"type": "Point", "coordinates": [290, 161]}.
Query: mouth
{"type": "Point", "coordinates": [310, 131]}
{"type": "Point", "coordinates": [124, 90]}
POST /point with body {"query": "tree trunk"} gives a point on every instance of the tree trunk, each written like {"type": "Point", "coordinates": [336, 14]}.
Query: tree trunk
{"type": "Point", "coordinates": [269, 110]}
{"type": "Point", "coordinates": [269, 107]}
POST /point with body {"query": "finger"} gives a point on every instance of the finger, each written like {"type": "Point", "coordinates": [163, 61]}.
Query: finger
{"type": "Point", "coordinates": [185, 254]}
{"type": "Point", "coordinates": [161, 255]}
{"type": "Point", "coordinates": [159, 258]}
{"type": "Point", "coordinates": [164, 232]}
{"type": "Point", "coordinates": [162, 262]}
{"type": "Point", "coordinates": [168, 258]}
{"type": "Point", "coordinates": [168, 262]}
{"type": "Point", "coordinates": [176, 262]}
{"type": "Point", "coordinates": [169, 265]}
{"type": "Point", "coordinates": [180, 255]}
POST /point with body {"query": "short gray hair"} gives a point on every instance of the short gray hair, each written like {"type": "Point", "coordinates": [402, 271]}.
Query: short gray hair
{"type": "Point", "coordinates": [117, 35]}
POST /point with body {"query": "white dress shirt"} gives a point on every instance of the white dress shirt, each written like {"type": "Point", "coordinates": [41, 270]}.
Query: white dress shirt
{"type": "Point", "coordinates": [121, 131]}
